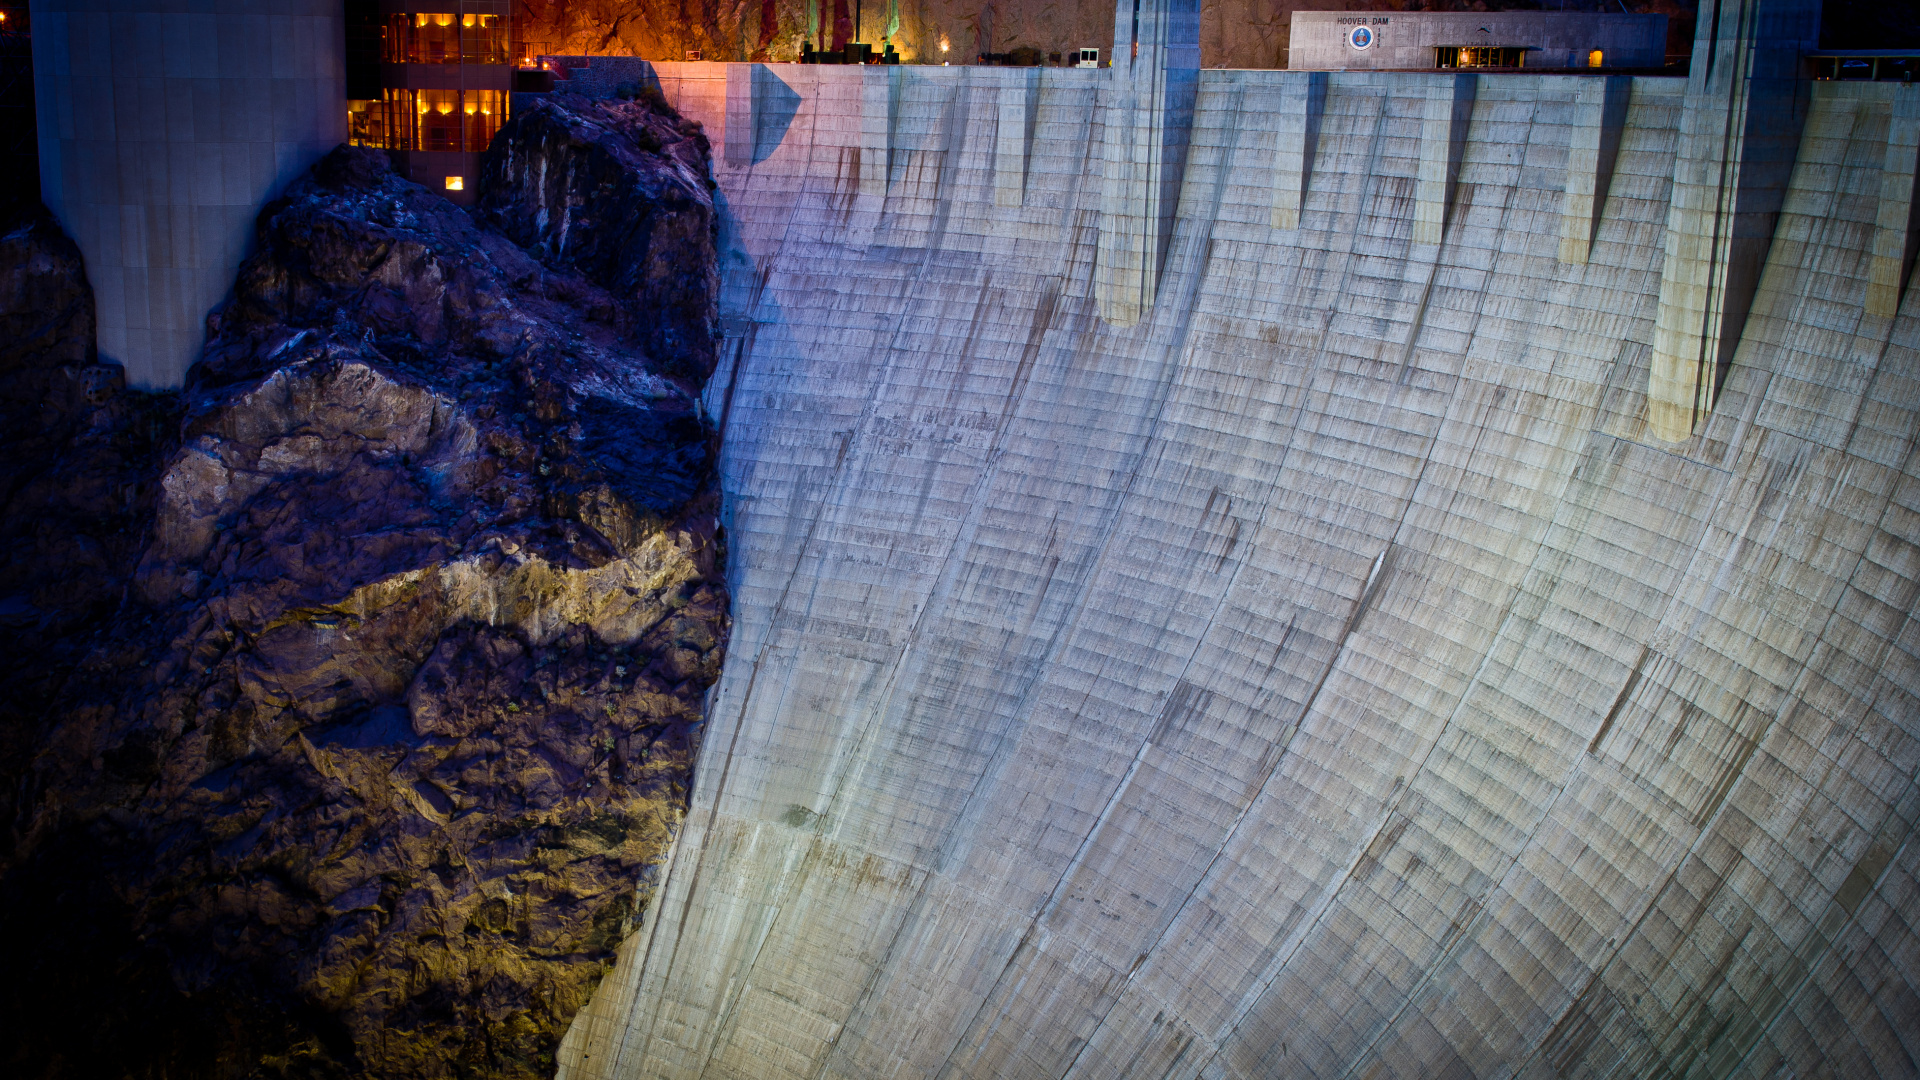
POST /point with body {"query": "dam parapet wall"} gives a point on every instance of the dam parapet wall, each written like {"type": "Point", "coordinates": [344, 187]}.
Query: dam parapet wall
{"type": "Point", "coordinates": [1336, 669]}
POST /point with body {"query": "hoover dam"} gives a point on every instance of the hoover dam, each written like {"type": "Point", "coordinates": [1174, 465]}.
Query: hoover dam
{"type": "Point", "coordinates": [1272, 573]}
{"type": "Point", "coordinates": [889, 571]}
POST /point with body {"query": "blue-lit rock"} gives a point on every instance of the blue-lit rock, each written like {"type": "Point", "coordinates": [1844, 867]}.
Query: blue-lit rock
{"type": "Point", "coordinates": [394, 700]}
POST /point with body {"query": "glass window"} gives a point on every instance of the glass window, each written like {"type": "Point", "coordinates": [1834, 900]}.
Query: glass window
{"type": "Point", "coordinates": [485, 110]}
{"type": "Point", "coordinates": [442, 37]}
{"type": "Point", "coordinates": [1479, 56]}
{"type": "Point", "coordinates": [360, 116]}
{"type": "Point", "coordinates": [439, 119]}
{"type": "Point", "coordinates": [385, 123]}
{"type": "Point", "coordinates": [453, 120]}
{"type": "Point", "coordinates": [483, 39]}
{"type": "Point", "coordinates": [436, 38]}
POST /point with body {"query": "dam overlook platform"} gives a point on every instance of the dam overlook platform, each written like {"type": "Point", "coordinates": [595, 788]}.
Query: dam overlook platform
{"type": "Point", "coordinates": [1322, 574]}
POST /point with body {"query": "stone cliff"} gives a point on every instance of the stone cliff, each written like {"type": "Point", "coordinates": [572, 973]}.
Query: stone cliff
{"type": "Point", "coordinates": [356, 688]}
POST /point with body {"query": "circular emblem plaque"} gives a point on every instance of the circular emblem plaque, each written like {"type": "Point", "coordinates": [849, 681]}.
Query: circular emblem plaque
{"type": "Point", "coordinates": [1360, 37]}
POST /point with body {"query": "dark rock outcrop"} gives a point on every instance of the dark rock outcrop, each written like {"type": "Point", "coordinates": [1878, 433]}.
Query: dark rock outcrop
{"type": "Point", "coordinates": [75, 449]}
{"type": "Point", "coordinates": [388, 703]}
{"type": "Point", "coordinates": [571, 188]}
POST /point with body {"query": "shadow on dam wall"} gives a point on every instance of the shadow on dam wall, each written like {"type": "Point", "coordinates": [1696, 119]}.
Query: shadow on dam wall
{"type": "Point", "coordinates": [1329, 674]}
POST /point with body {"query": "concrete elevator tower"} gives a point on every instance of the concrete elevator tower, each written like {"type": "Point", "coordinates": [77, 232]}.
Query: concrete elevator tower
{"type": "Point", "coordinates": [164, 127]}
{"type": "Point", "coordinates": [1149, 119]}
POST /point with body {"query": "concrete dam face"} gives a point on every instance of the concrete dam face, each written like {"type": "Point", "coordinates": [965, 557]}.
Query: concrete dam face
{"type": "Point", "coordinates": [1262, 573]}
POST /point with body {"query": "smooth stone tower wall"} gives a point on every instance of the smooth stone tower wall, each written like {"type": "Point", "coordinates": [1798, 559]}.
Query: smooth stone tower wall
{"type": "Point", "coordinates": [1329, 675]}
{"type": "Point", "coordinates": [163, 131]}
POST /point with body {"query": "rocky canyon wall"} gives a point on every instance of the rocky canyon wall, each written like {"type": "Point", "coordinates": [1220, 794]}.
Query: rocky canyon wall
{"type": "Point", "coordinates": [354, 690]}
{"type": "Point", "coordinates": [1328, 674]}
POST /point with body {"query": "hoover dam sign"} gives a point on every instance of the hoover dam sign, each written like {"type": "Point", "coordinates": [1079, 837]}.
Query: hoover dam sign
{"type": "Point", "coordinates": [1361, 36]}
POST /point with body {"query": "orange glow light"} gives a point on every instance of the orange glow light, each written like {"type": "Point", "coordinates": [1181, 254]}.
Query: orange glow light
{"type": "Point", "coordinates": [456, 183]}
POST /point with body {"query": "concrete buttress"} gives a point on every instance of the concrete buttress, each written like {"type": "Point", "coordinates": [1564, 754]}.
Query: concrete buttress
{"type": "Point", "coordinates": [1443, 139]}
{"type": "Point", "coordinates": [1746, 101]}
{"type": "Point", "coordinates": [1013, 138]}
{"type": "Point", "coordinates": [742, 119]}
{"type": "Point", "coordinates": [1599, 112]}
{"type": "Point", "coordinates": [1148, 110]}
{"type": "Point", "coordinates": [1303, 99]}
{"type": "Point", "coordinates": [1897, 227]}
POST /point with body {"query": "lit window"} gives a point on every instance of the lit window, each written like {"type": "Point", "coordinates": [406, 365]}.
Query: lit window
{"type": "Point", "coordinates": [1593, 58]}
{"type": "Point", "coordinates": [424, 38]}
{"type": "Point", "coordinates": [385, 123]}
{"type": "Point", "coordinates": [440, 120]}
{"type": "Point", "coordinates": [456, 183]}
{"type": "Point", "coordinates": [484, 111]}
{"type": "Point", "coordinates": [483, 39]}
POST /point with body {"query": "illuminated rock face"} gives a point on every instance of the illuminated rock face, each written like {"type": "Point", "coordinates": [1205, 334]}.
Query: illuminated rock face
{"type": "Point", "coordinates": [1330, 674]}
{"type": "Point", "coordinates": [389, 708]}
